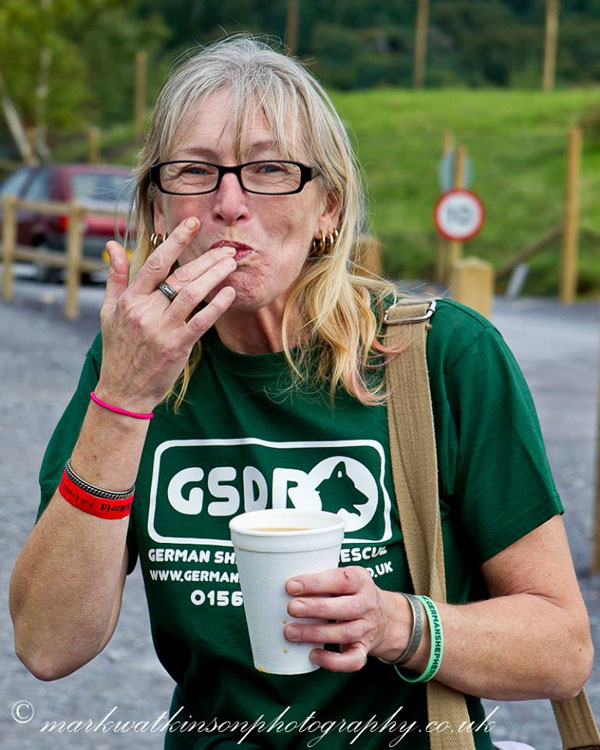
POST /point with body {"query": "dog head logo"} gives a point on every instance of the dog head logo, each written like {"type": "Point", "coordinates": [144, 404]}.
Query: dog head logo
{"type": "Point", "coordinates": [341, 485]}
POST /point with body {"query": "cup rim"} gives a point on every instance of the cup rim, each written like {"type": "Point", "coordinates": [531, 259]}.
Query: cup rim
{"type": "Point", "coordinates": [336, 523]}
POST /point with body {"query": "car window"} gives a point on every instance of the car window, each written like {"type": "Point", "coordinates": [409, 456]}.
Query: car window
{"type": "Point", "coordinates": [14, 184]}
{"type": "Point", "coordinates": [100, 186]}
{"type": "Point", "coordinates": [38, 190]}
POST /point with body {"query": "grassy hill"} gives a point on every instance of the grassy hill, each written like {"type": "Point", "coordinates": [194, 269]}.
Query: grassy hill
{"type": "Point", "coordinates": [517, 142]}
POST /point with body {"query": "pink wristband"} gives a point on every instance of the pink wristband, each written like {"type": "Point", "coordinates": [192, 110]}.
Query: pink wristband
{"type": "Point", "coordinates": [117, 410]}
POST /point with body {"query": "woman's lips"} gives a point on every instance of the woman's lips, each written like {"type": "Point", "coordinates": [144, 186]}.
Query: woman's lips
{"type": "Point", "coordinates": [241, 249]}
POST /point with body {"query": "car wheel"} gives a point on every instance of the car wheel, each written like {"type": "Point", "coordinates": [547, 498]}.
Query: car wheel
{"type": "Point", "coordinates": [46, 274]}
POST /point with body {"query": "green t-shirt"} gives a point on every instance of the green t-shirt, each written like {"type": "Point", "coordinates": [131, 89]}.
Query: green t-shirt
{"type": "Point", "coordinates": [239, 443]}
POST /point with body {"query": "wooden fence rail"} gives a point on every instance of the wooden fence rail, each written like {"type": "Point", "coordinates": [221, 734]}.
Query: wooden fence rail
{"type": "Point", "coordinates": [72, 260]}
{"type": "Point", "coordinates": [528, 252]}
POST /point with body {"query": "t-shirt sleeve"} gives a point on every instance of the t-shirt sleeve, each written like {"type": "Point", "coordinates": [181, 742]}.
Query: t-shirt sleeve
{"type": "Point", "coordinates": [503, 483]}
{"type": "Point", "coordinates": [63, 440]}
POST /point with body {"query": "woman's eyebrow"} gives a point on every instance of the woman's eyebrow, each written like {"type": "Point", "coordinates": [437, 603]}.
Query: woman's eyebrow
{"type": "Point", "coordinates": [193, 152]}
{"type": "Point", "coordinates": [257, 148]}
{"type": "Point", "coordinates": [261, 146]}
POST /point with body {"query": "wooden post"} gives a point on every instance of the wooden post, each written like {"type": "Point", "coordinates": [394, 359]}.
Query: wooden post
{"type": "Point", "coordinates": [568, 279]}
{"type": "Point", "coordinates": [141, 64]}
{"type": "Point", "coordinates": [459, 172]}
{"type": "Point", "coordinates": [369, 255]}
{"type": "Point", "coordinates": [94, 136]}
{"type": "Point", "coordinates": [74, 253]}
{"type": "Point", "coordinates": [9, 237]}
{"type": "Point", "coordinates": [291, 32]}
{"type": "Point", "coordinates": [550, 45]}
{"type": "Point", "coordinates": [420, 43]}
{"type": "Point", "coordinates": [472, 284]}
{"type": "Point", "coordinates": [442, 245]}
{"type": "Point", "coordinates": [596, 536]}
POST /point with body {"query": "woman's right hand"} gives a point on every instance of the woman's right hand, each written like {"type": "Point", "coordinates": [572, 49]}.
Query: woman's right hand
{"type": "Point", "coordinates": [146, 338]}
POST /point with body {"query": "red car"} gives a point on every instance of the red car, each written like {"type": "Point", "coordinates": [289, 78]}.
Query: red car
{"type": "Point", "coordinates": [95, 186]}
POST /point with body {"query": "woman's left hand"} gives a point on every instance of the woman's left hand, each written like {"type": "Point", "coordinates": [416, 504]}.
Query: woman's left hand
{"type": "Point", "coordinates": [366, 616]}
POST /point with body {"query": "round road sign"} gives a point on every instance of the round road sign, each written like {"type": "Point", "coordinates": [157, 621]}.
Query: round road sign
{"type": "Point", "coordinates": [459, 215]}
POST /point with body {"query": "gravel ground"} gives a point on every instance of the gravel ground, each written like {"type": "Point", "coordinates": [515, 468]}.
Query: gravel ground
{"type": "Point", "coordinates": [41, 355]}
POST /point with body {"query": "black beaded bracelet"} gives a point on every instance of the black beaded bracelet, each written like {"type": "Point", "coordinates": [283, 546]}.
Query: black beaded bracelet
{"type": "Point", "coordinates": [92, 489]}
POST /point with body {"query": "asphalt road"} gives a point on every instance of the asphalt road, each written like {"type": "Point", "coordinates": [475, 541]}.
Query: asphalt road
{"type": "Point", "coordinates": [40, 357]}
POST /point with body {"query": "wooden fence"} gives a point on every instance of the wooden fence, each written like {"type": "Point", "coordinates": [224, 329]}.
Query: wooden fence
{"type": "Point", "coordinates": [73, 260]}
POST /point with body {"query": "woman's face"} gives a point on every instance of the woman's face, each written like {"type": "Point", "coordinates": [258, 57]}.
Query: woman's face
{"type": "Point", "coordinates": [279, 229]}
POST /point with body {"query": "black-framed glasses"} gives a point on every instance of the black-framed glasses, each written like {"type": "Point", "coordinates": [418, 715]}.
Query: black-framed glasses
{"type": "Point", "coordinates": [267, 177]}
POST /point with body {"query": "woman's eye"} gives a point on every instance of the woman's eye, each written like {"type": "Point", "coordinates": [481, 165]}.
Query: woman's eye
{"type": "Point", "coordinates": [194, 170]}
{"type": "Point", "coordinates": [270, 168]}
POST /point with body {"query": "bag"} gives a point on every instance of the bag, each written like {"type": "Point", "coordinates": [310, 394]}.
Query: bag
{"type": "Point", "coordinates": [414, 469]}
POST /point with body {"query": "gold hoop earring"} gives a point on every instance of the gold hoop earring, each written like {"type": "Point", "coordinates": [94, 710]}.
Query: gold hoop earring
{"type": "Point", "coordinates": [157, 239]}
{"type": "Point", "coordinates": [331, 239]}
{"type": "Point", "coordinates": [325, 243]}
{"type": "Point", "coordinates": [318, 245]}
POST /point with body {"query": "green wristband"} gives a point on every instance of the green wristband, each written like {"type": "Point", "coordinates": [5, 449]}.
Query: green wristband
{"type": "Point", "coordinates": [437, 645]}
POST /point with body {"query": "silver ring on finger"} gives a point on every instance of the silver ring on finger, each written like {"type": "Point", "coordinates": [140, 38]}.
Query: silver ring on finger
{"type": "Point", "coordinates": [167, 290]}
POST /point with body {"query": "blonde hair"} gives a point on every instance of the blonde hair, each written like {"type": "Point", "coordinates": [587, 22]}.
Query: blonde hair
{"type": "Point", "coordinates": [339, 306]}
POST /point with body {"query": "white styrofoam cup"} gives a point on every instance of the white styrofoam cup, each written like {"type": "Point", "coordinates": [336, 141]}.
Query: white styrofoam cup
{"type": "Point", "coordinates": [267, 558]}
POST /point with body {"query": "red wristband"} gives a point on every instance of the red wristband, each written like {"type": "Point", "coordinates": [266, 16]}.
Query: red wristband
{"type": "Point", "coordinates": [96, 506]}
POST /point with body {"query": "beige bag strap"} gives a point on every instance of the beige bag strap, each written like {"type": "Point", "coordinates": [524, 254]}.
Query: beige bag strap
{"type": "Point", "coordinates": [414, 468]}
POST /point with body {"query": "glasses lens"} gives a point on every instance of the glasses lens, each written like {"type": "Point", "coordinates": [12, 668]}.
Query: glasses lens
{"type": "Point", "coordinates": [271, 177]}
{"type": "Point", "coordinates": [188, 177]}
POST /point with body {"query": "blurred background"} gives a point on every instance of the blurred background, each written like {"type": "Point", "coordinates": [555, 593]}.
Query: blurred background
{"type": "Point", "coordinates": [505, 78]}
{"type": "Point", "coordinates": [498, 96]}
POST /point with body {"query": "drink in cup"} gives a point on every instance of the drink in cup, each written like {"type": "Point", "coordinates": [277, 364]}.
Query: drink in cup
{"type": "Point", "coordinates": [272, 546]}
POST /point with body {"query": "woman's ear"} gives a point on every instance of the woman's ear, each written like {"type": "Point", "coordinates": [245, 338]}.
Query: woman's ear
{"type": "Point", "coordinates": [330, 217]}
{"type": "Point", "coordinates": [160, 220]}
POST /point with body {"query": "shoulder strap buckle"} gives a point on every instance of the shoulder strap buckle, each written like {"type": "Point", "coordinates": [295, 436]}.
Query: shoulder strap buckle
{"type": "Point", "coordinates": [392, 321]}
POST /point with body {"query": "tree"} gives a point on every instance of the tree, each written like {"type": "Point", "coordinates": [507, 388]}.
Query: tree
{"type": "Point", "coordinates": [90, 48]}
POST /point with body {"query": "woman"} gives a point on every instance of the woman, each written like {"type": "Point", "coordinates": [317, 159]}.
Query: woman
{"type": "Point", "coordinates": [249, 333]}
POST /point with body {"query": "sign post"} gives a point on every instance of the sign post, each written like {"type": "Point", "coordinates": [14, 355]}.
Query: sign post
{"type": "Point", "coordinates": [442, 249]}
{"type": "Point", "coordinates": [459, 183]}
{"type": "Point", "coordinates": [455, 171]}
{"type": "Point", "coordinates": [459, 216]}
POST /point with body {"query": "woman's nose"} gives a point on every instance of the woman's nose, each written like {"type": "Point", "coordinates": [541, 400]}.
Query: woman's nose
{"type": "Point", "coordinates": [231, 200]}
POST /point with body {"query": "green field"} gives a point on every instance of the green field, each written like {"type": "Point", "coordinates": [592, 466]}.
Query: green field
{"type": "Point", "coordinates": [517, 142]}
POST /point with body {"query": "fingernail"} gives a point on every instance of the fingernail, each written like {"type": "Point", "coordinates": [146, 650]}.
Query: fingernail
{"type": "Point", "coordinates": [292, 633]}
{"type": "Point", "coordinates": [191, 223]}
{"type": "Point", "coordinates": [299, 606]}
{"type": "Point", "coordinates": [227, 250]}
{"type": "Point", "coordinates": [294, 587]}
